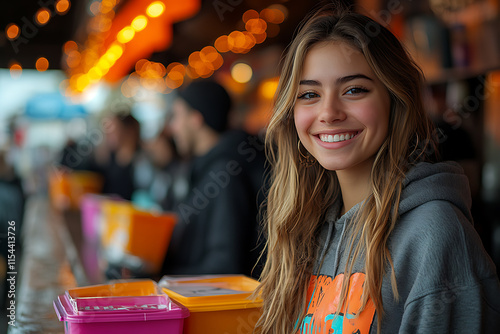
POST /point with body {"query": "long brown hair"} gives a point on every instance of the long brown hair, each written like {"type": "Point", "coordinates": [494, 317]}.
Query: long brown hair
{"type": "Point", "coordinates": [299, 196]}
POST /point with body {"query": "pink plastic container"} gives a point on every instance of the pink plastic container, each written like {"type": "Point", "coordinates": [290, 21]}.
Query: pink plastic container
{"type": "Point", "coordinates": [90, 207]}
{"type": "Point", "coordinates": [121, 315]}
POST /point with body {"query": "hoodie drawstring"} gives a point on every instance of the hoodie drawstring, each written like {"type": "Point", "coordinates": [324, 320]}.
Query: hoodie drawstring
{"type": "Point", "coordinates": [337, 251]}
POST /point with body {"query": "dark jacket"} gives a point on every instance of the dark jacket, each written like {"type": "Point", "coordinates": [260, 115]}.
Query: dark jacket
{"type": "Point", "coordinates": [217, 230]}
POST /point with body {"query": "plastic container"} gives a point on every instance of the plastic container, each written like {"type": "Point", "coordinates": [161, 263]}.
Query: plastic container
{"type": "Point", "coordinates": [91, 214]}
{"type": "Point", "coordinates": [130, 234]}
{"type": "Point", "coordinates": [217, 304]}
{"type": "Point", "coordinates": [108, 309]}
{"type": "Point", "coordinates": [66, 188]}
{"type": "Point", "coordinates": [124, 295]}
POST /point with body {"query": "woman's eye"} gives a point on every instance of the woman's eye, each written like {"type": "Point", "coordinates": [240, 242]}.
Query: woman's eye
{"type": "Point", "coordinates": [308, 96]}
{"type": "Point", "coordinates": [356, 91]}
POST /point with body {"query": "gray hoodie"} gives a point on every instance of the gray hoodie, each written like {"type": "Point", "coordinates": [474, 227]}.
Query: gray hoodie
{"type": "Point", "coordinates": [446, 281]}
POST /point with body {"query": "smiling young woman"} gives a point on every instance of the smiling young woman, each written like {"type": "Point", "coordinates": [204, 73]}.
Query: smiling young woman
{"type": "Point", "coordinates": [364, 235]}
{"type": "Point", "coordinates": [342, 115]}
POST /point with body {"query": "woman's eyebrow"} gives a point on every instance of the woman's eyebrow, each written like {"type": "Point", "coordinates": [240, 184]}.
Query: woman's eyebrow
{"type": "Point", "coordinates": [339, 81]}
{"type": "Point", "coordinates": [310, 82]}
{"type": "Point", "coordinates": [348, 78]}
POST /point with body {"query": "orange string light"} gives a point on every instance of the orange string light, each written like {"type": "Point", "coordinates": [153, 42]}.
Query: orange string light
{"type": "Point", "coordinates": [201, 63]}
{"type": "Point", "coordinates": [42, 64]}
{"type": "Point", "coordinates": [62, 6]}
{"type": "Point", "coordinates": [12, 31]}
{"type": "Point", "coordinates": [42, 16]}
{"type": "Point", "coordinates": [205, 62]}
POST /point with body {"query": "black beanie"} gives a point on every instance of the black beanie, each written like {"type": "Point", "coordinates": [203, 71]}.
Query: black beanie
{"type": "Point", "coordinates": [211, 100]}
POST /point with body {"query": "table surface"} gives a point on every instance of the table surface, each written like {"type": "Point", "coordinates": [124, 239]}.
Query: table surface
{"type": "Point", "coordinates": [54, 259]}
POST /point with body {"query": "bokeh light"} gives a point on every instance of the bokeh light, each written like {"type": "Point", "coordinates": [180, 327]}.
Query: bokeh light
{"type": "Point", "coordinates": [155, 9]}
{"type": "Point", "coordinates": [267, 88]}
{"type": "Point", "coordinates": [95, 7]}
{"type": "Point", "coordinates": [74, 59]}
{"type": "Point", "coordinates": [107, 6]}
{"type": "Point", "coordinates": [256, 26]}
{"type": "Point", "coordinates": [250, 14]}
{"type": "Point", "coordinates": [70, 46]}
{"type": "Point", "coordinates": [62, 6]}
{"type": "Point", "coordinates": [42, 16]}
{"type": "Point", "coordinates": [272, 15]}
{"type": "Point", "coordinates": [42, 64]}
{"type": "Point", "coordinates": [241, 72]}
{"type": "Point", "coordinates": [12, 31]}
{"type": "Point", "coordinates": [15, 70]}
{"type": "Point", "coordinates": [139, 23]}
{"type": "Point", "coordinates": [126, 35]}
{"type": "Point", "coordinates": [221, 44]}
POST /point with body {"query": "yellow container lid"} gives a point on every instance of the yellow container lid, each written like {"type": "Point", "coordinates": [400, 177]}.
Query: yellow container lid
{"type": "Point", "coordinates": [212, 293]}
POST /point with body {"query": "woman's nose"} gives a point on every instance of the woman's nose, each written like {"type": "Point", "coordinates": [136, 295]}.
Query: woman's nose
{"type": "Point", "coordinates": [332, 110]}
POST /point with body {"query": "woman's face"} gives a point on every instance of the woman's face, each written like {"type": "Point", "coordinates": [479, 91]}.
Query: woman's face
{"type": "Point", "coordinates": [342, 109]}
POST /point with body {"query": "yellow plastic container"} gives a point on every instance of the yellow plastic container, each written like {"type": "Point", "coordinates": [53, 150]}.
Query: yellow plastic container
{"type": "Point", "coordinates": [129, 231]}
{"type": "Point", "coordinates": [67, 188]}
{"type": "Point", "coordinates": [217, 304]}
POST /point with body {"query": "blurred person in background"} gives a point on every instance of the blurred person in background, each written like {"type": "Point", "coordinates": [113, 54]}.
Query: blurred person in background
{"type": "Point", "coordinates": [162, 173]}
{"type": "Point", "coordinates": [217, 230]}
{"type": "Point", "coordinates": [115, 159]}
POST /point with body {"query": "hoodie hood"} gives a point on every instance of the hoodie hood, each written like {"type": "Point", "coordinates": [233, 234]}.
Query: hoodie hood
{"type": "Point", "coordinates": [425, 182]}
{"type": "Point", "coordinates": [440, 181]}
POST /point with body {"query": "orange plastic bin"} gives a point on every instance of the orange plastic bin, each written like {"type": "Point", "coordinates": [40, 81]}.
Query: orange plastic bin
{"type": "Point", "coordinates": [130, 232]}
{"type": "Point", "coordinates": [217, 304]}
{"type": "Point", "coordinates": [67, 188]}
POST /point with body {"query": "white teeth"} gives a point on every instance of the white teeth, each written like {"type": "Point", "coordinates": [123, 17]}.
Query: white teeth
{"type": "Point", "coordinates": [335, 138]}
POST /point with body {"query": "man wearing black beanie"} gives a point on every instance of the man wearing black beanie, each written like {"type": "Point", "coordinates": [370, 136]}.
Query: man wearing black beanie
{"type": "Point", "coordinates": [217, 228]}
{"type": "Point", "coordinates": [200, 115]}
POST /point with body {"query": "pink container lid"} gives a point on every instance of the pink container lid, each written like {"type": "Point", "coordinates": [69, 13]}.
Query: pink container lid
{"type": "Point", "coordinates": [167, 310]}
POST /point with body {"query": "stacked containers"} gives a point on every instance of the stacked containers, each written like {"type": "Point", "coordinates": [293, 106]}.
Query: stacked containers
{"type": "Point", "coordinates": [66, 188]}
{"type": "Point", "coordinates": [128, 307]}
{"type": "Point", "coordinates": [217, 304]}
{"type": "Point", "coordinates": [136, 235]}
